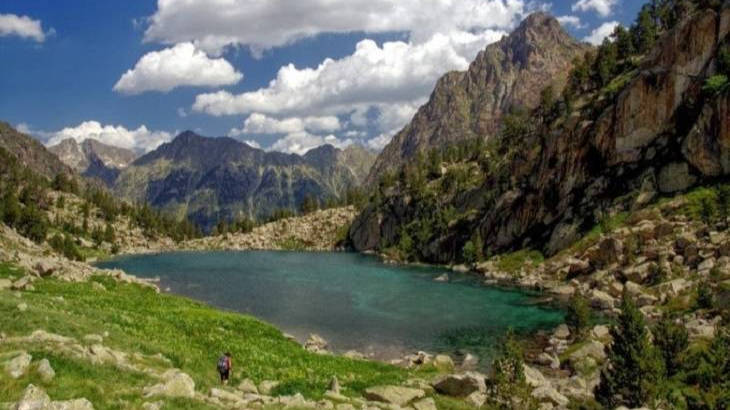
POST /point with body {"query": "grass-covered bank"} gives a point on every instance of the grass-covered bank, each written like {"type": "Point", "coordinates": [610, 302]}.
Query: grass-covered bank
{"type": "Point", "coordinates": [190, 334]}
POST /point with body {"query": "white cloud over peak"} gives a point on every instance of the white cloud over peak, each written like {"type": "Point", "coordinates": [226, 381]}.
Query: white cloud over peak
{"type": "Point", "coordinates": [215, 24]}
{"type": "Point", "coordinates": [181, 65]}
{"type": "Point", "coordinates": [396, 72]}
{"type": "Point", "coordinates": [601, 32]}
{"type": "Point", "coordinates": [22, 26]}
{"type": "Point", "coordinates": [258, 123]}
{"type": "Point", "coordinates": [602, 7]}
{"type": "Point", "coordinates": [571, 21]}
{"type": "Point", "coordinates": [139, 140]}
{"type": "Point", "coordinates": [301, 142]}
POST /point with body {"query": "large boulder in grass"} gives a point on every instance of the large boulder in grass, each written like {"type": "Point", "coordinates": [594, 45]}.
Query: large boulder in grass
{"type": "Point", "coordinates": [393, 394]}
{"type": "Point", "coordinates": [175, 384]}
{"type": "Point", "coordinates": [460, 385]}
{"type": "Point", "coordinates": [18, 365]}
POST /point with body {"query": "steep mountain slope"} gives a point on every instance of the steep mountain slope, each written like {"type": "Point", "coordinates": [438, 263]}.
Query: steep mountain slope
{"type": "Point", "coordinates": [653, 128]}
{"type": "Point", "coordinates": [94, 159]}
{"type": "Point", "coordinates": [464, 105]}
{"type": "Point", "coordinates": [210, 179]}
{"type": "Point", "coordinates": [30, 152]}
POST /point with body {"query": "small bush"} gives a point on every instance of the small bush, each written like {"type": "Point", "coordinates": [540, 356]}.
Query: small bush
{"type": "Point", "coordinates": [578, 315]}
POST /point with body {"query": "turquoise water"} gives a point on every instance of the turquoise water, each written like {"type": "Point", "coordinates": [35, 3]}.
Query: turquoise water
{"type": "Point", "coordinates": [352, 300]}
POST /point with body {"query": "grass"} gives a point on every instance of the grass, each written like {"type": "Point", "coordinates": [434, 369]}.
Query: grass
{"type": "Point", "coordinates": [513, 262]}
{"type": "Point", "coordinates": [292, 243]}
{"type": "Point", "coordinates": [191, 334]}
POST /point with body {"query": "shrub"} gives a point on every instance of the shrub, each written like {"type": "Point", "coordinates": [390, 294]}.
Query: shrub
{"type": "Point", "coordinates": [716, 84]}
{"type": "Point", "coordinates": [578, 314]}
{"type": "Point", "coordinates": [705, 297]}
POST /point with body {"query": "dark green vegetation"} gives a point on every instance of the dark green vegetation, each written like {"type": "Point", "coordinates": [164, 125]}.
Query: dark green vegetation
{"type": "Point", "coordinates": [221, 181]}
{"type": "Point", "coordinates": [26, 198]}
{"type": "Point", "coordinates": [548, 175]}
{"type": "Point", "coordinates": [190, 334]}
{"type": "Point", "coordinates": [669, 369]}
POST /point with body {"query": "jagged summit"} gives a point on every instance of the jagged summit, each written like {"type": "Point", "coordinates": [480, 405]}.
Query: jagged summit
{"type": "Point", "coordinates": [465, 105]}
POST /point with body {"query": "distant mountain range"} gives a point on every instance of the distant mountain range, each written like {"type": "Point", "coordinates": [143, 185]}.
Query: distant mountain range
{"type": "Point", "coordinates": [94, 159]}
{"type": "Point", "coordinates": [211, 179]}
{"type": "Point", "coordinates": [30, 152]}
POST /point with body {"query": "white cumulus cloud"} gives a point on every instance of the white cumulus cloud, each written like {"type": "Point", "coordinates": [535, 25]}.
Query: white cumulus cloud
{"type": "Point", "coordinates": [139, 140]}
{"type": "Point", "coordinates": [572, 21]}
{"type": "Point", "coordinates": [301, 142]}
{"type": "Point", "coordinates": [22, 26]}
{"type": "Point", "coordinates": [215, 24]}
{"type": "Point", "coordinates": [601, 32]}
{"type": "Point", "coordinates": [181, 65]}
{"type": "Point", "coordinates": [258, 123]}
{"type": "Point", "coordinates": [602, 7]}
{"type": "Point", "coordinates": [394, 72]}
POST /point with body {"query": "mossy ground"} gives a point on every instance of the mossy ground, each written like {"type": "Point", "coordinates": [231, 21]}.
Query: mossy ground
{"type": "Point", "coordinates": [191, 334]}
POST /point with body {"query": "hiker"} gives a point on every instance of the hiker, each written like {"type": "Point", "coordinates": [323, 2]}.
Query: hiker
{"type": "Point", "coordinates": [224, 367]}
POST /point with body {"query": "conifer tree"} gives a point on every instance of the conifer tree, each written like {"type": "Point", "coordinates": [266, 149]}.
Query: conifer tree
{"type": "Point", "coordinates": [634, 365]}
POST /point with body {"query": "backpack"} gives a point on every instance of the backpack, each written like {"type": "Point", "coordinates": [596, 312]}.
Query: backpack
{"type": "Point", "coordinates": [223, 364]}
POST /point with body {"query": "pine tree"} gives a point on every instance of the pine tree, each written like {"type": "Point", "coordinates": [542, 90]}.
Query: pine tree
{"type": "Point", "coordinates": [671, 339]}
{"type": "Point", "coordinates": [644, 32]}
{"type": "Point", "coordinates": [624, 45]}
{"type": "Point", "coordinates": [634, 365]}
{"type": "Point", "coordinates": [507, 385]}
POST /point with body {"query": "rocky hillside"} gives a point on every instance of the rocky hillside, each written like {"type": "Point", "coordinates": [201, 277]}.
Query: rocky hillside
{"type": "Point", "coordinates": [212, 179]}
{"type": "Point", "coordinates": [464, 105]}
{"type": "Point", "coordinates": [30, 152]}
{"type": "Point", "coordinates": [94, 159]}
{"type": "Point", "coordinates": [631, 125]}
{"type": "Point", "coordinates": [323, 230]}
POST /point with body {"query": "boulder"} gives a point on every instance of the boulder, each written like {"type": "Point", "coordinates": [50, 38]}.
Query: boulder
{"type": "Point", "coordinates": [610, 250]}
{"type": "Point", "coordinates": [45, 370]}
{"type": "Point", "coordinates": [675, 177]}
{"type": "Point", "coordinates": [548, 393]}
{"type": "Point", "coordinates": [393, 394]}
{"type": "Point", "coordinates": [592, 349]}
{"type": "Point", "coordinates": [562, 331]}
{"type": "Point", "coordinates": [460, 385]}
{"type": "Point", "coordinates": [563, 290]}
{"type": "Point", "coordinates": [18, 366]}
{"type": "Point", "coordinates": [76, 404]}
{"type": "Point", "coordinates": [24, 283]}
{"type": "Point", "coordinates": [22, 307]}
{"type": "Point", "coordinates": [267, 386]}
{"type": "Point", "coordinates": [45, 268]}
{"type": "Point", "coordinates": [33, 398]}
{"type": "Point", "coordinates": [534, 377]}
{"type": "Point", "coordinates": [248, 386]}
{"type": "Point", "coordinates": [548, 360]}
{"type": "Point", "coordinates": [602, 300]}
{"type": "Point", "coordinates": [225, 395]}
{"type": "Point", "coordinates": [316, 343]}
{"type": "Point", "coordinates": [443, 363]}
{"type": "Point", "coordinates": [425, 404]}
{"type": "Point", "coordinates": [175, 384]}
{"type": "Point", "coordinates": [674, 287]}
{"type": "Point", "coordinates": [442, 278]}
{"type": "Point", "coordinates": [334, 385]}
{"type": "Point", "coordinates": [600, 331]}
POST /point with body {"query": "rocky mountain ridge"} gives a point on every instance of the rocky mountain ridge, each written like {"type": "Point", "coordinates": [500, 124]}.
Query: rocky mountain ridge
{"type": "Point", "coordinates": [94, 159]}
{"type": "Point", "coordinates": [509, 73]}
{"type": "Point", "coordinates": [652, 130]}
{"type": "Point", "coordinates": [30, 152]}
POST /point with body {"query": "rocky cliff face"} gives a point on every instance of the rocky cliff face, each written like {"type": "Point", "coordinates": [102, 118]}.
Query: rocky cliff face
{"type": "Point", "coordinates": [94, 159]}
{"type": "Point", "coordinates": [657, 133]}
{"type": "Point", "coordinates": [30, 152]}
{"type": "Point", "coordinates": [465, 105]}
{"type": "Point", "coordinates": [209, 179]}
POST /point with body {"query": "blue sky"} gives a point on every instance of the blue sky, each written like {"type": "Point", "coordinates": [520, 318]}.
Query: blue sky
{"type": "Point", "coordinates": [345, 71]}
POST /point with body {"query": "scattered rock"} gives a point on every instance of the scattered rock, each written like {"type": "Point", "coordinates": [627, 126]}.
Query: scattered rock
{"type": "Point", "coordinates": [600, 331]}
{"type": "Point", "coordinates": [534, 377]}
{"type": "Point", "coordinates": [94, 338]}
{"type": "Point", "coordinates": [334, 385]}
{"type": "Point", "coordinates": [443, 363]}
{"type": "Point", "coordinates": [460, 385]}
{"type": "Point", "coordinates": [548, 360]}
{"type": "Point", "coordinates": [33, 398]}
{"type": "Point", "coordinates": [267, 386]}
{"type": "Point", "coordinates": [547, 392]}
{"type": "Point", "coordinates": [225, 395]}
{"type": "Point", "coordinates": [425, 404]}
{"type": "Point", "coordinates": [5, 284]}
{"type": "Point", "coordinates": [175, 384]}
{"type": "Point", "coordinates": [316, 343]}
{"type": "Point", "coordinates": [248, 386]}
{"type": "Point", "coordinates": [45, 370]}
{"type": "Point", "coordinates": [592, 349]}
{"type": "Point", "coordinates": [22, 307]}
{"type": "Point", "coordinates": [602, 300]}
{"type": "Point", "coordinates": [393, 394]}
{"type": "Point", "coordinates": [24, 283]}
{"type": "Point", "coordinates": [562, 331]}
{"type": "Point", "coordinates": [18, 365]}
{"type": "Point", "coordinates": [45, 268]}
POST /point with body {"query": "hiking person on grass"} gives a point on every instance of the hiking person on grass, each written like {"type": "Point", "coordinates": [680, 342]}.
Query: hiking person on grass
{"type": "Point", "coordinates": [224, 367]}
